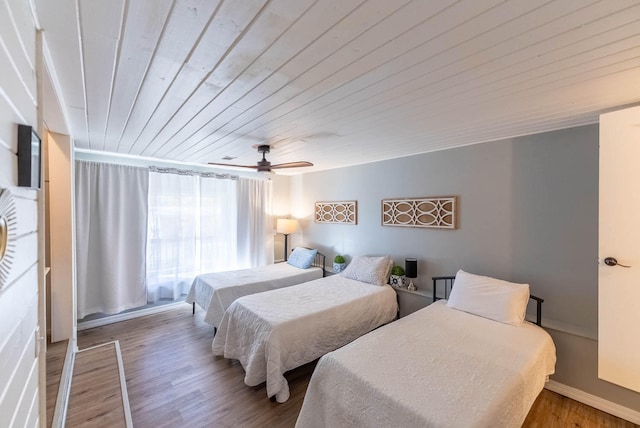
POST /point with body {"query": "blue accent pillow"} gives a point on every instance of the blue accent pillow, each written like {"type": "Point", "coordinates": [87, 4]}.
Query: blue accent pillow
{"type": "Point", "coordinates": [302, 257]}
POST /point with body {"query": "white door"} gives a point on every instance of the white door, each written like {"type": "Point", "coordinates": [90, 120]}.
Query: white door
{"type": "Point", "coordinates": [619, 238]}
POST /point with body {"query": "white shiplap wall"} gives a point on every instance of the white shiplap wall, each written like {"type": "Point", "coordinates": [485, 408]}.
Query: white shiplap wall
{"type": "Point", "coordinates": [19, 403]}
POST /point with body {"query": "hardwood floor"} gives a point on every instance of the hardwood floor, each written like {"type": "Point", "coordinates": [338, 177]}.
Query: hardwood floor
{"type": "Point", "coordinates": [174, 381]}
{"type": "Point", "coordinates": [95, 399]}
{"type": "Point", "coordinates": [553, 410]}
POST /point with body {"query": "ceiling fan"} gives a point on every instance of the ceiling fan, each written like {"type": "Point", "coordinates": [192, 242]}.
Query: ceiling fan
{"type": "Point", "coordinates": [264, 165]}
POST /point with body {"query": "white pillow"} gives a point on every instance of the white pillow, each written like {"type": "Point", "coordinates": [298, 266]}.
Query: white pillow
{"type": "Point", "coordinates": [490, 298]}
{"type": "Point", "coordinates": [372, 270]}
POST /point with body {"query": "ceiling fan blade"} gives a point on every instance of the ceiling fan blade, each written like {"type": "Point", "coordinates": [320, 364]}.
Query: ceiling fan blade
{"type": "Point", "coordinates": [236, 166]}
{"type": "Point", "coordinates": [291, 165]}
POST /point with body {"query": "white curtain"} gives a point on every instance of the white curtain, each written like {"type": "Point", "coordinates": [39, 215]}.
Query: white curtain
{"type": "Point", "coordinates": [111, 227]}
{"type": "Point", "coordinates": [192, 229]}
{"type": "Point", "coordinates": [255, 225]}
{"type": "Point", "coordinates": [172, 226]}
{"type": "Point", "coordinates": [218, 225]}
{"type": "Point", "coordinates": [144, 235]}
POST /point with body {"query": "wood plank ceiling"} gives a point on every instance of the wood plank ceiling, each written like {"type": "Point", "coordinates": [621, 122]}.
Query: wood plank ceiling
{"type": "Point", "coordinates": [334, 82]}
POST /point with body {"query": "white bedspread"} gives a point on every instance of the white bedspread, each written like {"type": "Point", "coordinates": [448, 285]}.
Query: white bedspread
{"type": "Point", "coordinates": [273, 332]}
{"type": "Point", "coordinates": [214, 292]}
{"type": "Point", "coordinates": [438, 367]}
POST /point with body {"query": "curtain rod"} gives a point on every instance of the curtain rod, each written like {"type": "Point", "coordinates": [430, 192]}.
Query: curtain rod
{"type": "Point", "coordinates": [192, 172]}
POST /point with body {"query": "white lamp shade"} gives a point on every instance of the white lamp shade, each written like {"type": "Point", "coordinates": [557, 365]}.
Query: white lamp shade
{"type": "Point", "coordinates": [287, 226]}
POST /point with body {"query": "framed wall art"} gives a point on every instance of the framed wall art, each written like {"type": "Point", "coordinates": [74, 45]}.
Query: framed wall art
{"type": "Point", "coordinates": [430, 212]}
{"type": "Point", "coordinates": [342, 212]}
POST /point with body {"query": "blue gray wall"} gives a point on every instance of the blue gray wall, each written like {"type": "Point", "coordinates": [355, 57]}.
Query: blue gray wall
{"type": "Point", "coordinates": [528, 212]}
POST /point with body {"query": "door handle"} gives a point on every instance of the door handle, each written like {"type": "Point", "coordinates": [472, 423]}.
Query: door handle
{"type": "Point", "coordinates": [611, 261]}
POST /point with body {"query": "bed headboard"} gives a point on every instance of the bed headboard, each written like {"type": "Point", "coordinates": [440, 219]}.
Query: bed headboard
{"type": "Point", "coordinates": [447, 281]}
{"type": "Point", "coordinates": [319, 261]}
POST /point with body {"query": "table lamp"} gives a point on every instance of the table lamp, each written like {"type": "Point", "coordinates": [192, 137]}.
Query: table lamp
{"type": "Point", "coordinates": [286, 226]}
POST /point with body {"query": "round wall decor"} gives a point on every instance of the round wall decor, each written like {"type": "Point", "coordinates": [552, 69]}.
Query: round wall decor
{"type": "Point", "coordinates": [8, 219]}
{"type": "Point", "coordinates": [3, 237]}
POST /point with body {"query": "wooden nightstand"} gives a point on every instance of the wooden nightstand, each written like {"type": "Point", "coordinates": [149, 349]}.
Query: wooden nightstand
{"type": "Point", "coordinates": [411, 301]}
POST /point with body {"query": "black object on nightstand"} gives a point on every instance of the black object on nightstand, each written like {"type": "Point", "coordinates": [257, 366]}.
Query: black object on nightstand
{"type": "Point", "coordinates": [411, 271]}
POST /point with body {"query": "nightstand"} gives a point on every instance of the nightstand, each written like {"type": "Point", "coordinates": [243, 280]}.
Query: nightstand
{"type": "Point", "coordinates": [411, 301]}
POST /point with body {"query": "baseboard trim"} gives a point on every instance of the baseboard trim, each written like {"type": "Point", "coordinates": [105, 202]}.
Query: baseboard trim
{"type": "Point", "coordinates": [64, 388]}
{"type": "Point", "coordinates": [85, 325]}
{"type": "Point", "coordinates": [595, 402]}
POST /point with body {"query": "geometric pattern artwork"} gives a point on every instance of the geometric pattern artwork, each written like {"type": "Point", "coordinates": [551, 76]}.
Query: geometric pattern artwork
{"type": "Point", "coordinates": [437, 213]}
{"type": "Point", "coordinates": [8, 227]}
{"type": "Point", "coordinates": [343, 212]}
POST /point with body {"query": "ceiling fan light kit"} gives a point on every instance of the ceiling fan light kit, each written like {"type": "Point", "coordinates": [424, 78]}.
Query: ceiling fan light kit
{"type": "Point", "coordinates": [264, 165]}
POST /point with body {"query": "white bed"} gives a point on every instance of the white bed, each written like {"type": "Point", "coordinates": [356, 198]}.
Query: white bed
{"type": "Point", "coordinates": [276, 331]}
{"type": "Point", "coordinates": [438, 367]}
{"type": "Point", "coordinates": [214, 292]}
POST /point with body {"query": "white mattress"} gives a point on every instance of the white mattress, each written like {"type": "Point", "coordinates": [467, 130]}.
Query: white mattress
{"type": "Point", "coordinates": [438, 367]}
{"type": "Point", "coordinates": [214, 292]}
{"type": "Point", "coordinates": [276, 331]}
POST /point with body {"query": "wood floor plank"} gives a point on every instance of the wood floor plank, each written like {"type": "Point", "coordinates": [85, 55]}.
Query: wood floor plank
{"type": "Point", "coordinates": [174, 380]}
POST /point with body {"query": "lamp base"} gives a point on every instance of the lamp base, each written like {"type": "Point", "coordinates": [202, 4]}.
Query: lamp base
{"type": "Point", "coordinates": [411, 287]}
{"type": "Point", "coordinates": [286, 238]}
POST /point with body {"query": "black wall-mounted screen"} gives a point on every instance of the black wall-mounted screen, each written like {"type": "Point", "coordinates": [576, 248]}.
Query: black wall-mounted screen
{"type": "Point", "coordinates": [29, 148]}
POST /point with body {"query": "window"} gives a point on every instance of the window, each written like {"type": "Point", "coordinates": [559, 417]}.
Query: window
{"type": "Point", "coordinates": [192, 229]}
